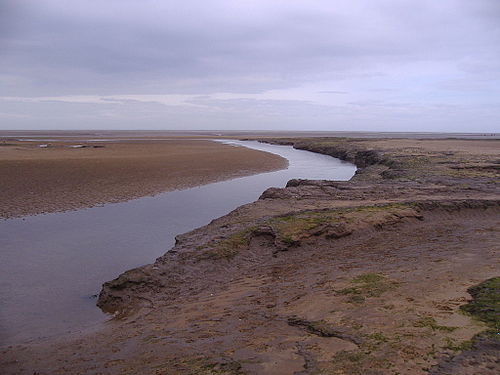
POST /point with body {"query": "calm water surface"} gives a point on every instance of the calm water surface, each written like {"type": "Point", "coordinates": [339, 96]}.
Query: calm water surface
{"type": "Point", "coordinates": [51, 265]}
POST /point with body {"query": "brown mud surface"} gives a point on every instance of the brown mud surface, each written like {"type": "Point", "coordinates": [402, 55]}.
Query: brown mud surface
{"type": "Point", "coordinates": [57, 178]}
{"type": "Point", "coordinates": [359, 277]}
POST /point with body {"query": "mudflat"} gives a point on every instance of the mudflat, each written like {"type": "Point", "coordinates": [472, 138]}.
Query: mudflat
{"type": "Point", "coordinates": [76, 174]}
{"type": "Point", "coordinates": [394, 272]}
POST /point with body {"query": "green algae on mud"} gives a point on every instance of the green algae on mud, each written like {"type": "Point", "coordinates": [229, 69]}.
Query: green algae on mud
{"type": "Point", "coordinates": [367, 285]}
{"type": "Point", "coordinates": [226, 248]}
{"type": "Point", "coordinates": [335, 223]}
{"type": "Point", "coordinates": [288, 230]}
{"type": "Point", "coordinates": [485, 303]}
{"type": "Point", "coordinates": [430, 322]}
{"type": "Point", "coordinates": [483, 348]}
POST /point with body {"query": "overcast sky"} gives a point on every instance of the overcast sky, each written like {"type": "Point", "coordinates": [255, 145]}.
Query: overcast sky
{"type": "Point", "coordinates": [388, 65]}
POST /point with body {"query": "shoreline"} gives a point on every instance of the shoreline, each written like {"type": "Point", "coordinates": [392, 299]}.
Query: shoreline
{"type": "Point", "coordinates": [358, 276]}
{"type": "Point", "coordinates": [245, 133]}
{"type": "Point", "coordinates": [62, 177]}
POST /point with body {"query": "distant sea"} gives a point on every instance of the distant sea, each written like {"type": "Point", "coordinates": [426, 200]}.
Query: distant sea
{"type": "Point", "coordinates": [152, 134]}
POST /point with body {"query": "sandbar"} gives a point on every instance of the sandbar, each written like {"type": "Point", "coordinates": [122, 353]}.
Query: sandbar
{"type": "Point", "coordinates": [41, 177]}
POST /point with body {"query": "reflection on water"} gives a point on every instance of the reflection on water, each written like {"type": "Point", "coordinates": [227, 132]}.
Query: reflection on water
{"type": "Point", "coordinates": [51, 265]}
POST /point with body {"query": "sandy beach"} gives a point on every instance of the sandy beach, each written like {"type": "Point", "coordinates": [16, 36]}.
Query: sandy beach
{"type": "Point", "coordinates": [64, 177]}
{"type": "Point", "coordinates": [371, 276]}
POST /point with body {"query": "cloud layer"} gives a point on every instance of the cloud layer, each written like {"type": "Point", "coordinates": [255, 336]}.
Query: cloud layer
{"type": "Point", "coordinates": [282, 64]}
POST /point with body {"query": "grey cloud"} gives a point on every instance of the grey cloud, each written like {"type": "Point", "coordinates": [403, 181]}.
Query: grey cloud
{"type": "Point", "coordinates": [136, 45]}
{"type": "Point", "coordinates": [87, 47]}
{"type": "Point", "coordinates": [333, 92]}
{"type": "Point", "coordinates": [249, 114]}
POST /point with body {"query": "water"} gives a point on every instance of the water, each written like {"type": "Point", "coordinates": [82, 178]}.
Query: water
{"type": "Point", "coordinates": [51, 265]}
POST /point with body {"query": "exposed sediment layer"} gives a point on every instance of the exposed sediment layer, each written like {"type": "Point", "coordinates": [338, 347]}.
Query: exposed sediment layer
{"type": "Point", "coordinates": [321, 277]}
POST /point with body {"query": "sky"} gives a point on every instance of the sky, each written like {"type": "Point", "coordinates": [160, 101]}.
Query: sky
{"type": "Point", "coordinates": [354, 65]}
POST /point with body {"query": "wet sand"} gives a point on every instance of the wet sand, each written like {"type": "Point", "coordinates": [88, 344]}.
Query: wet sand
{"type": "Point", "coordinates": [57, 178]}
{"type": "Point", "coordinates": [320, 277]}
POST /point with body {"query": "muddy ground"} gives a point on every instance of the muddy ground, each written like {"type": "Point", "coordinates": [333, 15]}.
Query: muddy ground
{"type": "Point", "coordinates": [369, 276]}
{"type": "Point", "coordinates": [68, 175]}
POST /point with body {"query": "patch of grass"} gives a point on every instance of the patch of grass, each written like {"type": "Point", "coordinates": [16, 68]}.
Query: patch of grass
{"type": "Point", "coordinates": [228, 247]}
{"type": "Point", "coordinates": [378, 336]}
{"type": "Point", "coordinates": [430, 322]}
{"type": "Point", "coordinates": [288, 240]}
{"type": "Point", "coordinates": [368, 278]}
{"type": "Point", "coordinates": [357, 363]}
{"type": "Point", "coordinates": [333, 223]}
{"type": "Point", "coordinates": [485, 304]}
{"type": "Point", "coordinates": [376, 340]}
{"type": "Point", "coordinates": [458, 347]}
{"type": "Point", "coordinates": [368, 285]}
{"type": "Point", "coordinates": [347, 291]}
{"type": "Point", "coordinates": [291, 228]}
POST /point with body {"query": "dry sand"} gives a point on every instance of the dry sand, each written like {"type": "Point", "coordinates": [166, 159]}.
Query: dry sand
{"type": "Point", "coordinates": [37, 180]}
